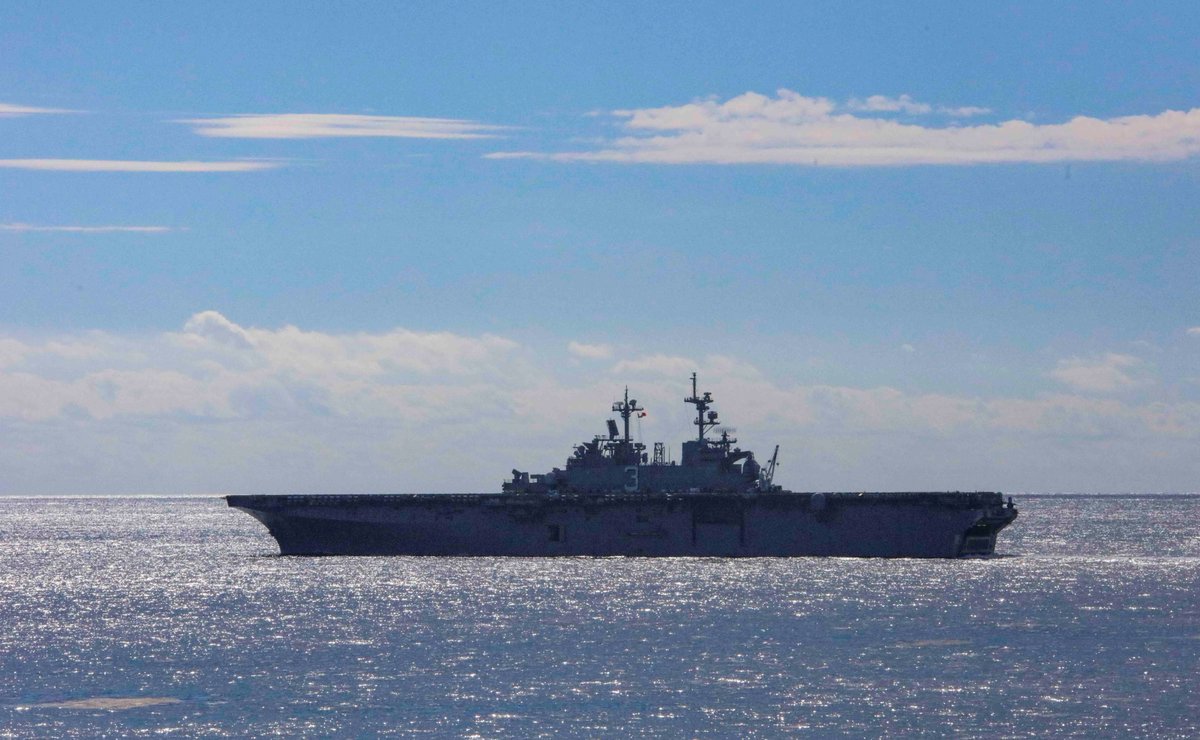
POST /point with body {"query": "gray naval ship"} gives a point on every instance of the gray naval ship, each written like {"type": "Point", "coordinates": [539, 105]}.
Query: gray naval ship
{"type": "Point", "coordinates": [614, 498]}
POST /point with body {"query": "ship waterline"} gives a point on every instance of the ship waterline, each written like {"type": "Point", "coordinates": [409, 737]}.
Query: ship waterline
{"type": "Point", "coordinates": [612, 498]}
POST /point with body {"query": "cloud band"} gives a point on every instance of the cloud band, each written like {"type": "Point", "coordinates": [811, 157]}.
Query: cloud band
{"type": "Point", "coordinates": [335, 125]}
{"type": "Point", "coordinates": [19, 227]}
{"type": "Point", "coordinates": [119, 165]}
{"type": "Point", "coordinates": [793, 129]}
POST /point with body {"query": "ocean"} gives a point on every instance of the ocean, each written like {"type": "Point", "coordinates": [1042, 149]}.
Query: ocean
{"type": "Point", "coordinates": [130, 617]}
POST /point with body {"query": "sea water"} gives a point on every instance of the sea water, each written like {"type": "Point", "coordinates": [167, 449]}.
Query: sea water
{"type": "Point", "coordinates": [128, 617]}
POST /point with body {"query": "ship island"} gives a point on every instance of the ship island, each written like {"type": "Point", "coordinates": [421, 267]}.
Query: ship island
{"type": "Point", "coordinates": [613, 498]}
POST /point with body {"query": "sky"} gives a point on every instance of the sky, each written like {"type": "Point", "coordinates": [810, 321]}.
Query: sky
{"type": "Point", "coordinates": [392, 247]}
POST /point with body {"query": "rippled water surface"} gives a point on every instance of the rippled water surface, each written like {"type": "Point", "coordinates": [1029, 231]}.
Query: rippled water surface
{"type": "Point", "coordinates": [125, 617]}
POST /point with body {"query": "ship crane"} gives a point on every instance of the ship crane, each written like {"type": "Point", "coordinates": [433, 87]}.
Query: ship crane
{"type": "Point", "coordinates": [768, 473]}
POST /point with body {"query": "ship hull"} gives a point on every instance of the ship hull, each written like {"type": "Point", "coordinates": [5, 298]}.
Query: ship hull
{"type": "Point", "coordinates": [926, 525]}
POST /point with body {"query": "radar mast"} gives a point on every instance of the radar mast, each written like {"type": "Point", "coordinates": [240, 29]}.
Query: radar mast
{"type": "Point", "coordinates": [626, 409]}
{"type": "Point", "coordinates": [705, 419]}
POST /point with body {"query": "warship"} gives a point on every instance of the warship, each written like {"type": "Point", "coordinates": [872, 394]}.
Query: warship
{"type": "Point", "coordinates": [614, 498]}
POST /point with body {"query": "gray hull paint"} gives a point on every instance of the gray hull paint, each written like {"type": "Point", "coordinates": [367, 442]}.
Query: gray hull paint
{"type": "Point", "coordinates": [783, 524]}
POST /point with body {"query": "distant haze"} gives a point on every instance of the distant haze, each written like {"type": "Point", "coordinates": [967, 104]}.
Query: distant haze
{"type": "Point", "coordinates": [216, 406]}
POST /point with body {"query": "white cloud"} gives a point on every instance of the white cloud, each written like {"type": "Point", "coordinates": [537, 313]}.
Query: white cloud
{"type": "Point", "coordinates": [118, 165]}
{"type": "Point", "coordinates": [212, 326]}
{"type": "Point", "coordinates": [213, 366]}
{"type": "Point", "coordinates": [964, 111]}
{"type": "Point", "coordinates": [221, 406]}
{"type": "Point", "coordinates": [10, 110]}
{"type": "Point", "coordinates": [1194, 331]}
{"type": "Point", "coordinates": [87, 229]}
{"type": "Point", "coordinates": [794, 129]}
{"type": "Point", "coordinates": [908, 348]}
{"type": "Point", "coordinates": [882, 103]}
{"type": "Point", "coordinates": [11, 351]}
{"type": "Point", "coordinates": [327, 125]}
{"type": "Point", "coordinates": [590, 351]}
{"type": "Point", "coordinates": [1112, 372]}
{"type": "Point", "coordinates": [353, 358]}
{"type": "Point", "coordinates": [906, 105]}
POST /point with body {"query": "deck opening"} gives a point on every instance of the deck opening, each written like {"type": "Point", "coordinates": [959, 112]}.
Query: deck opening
{"type": "Point", "coordinates": [978, 545]}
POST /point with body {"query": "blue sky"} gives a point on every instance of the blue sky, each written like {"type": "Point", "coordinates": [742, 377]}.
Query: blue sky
{"type": "Point", "coordinates": [397, 247]}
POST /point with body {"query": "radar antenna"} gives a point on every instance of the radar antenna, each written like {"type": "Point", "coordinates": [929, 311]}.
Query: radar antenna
{"type": "Point", "coordinates": [704, 421]}
{"type": "Point", "coordinates": [626, 409]}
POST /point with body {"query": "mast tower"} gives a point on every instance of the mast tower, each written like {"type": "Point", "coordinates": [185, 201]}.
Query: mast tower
{"type": "Point", "coordinates": [626, 409]}
{"type": "Point", "coordinates": [705, 419]}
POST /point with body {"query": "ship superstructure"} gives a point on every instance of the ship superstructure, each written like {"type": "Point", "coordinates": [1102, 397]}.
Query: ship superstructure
{"type": "Point", "coordinates": [613, 498]}
{"type": "Point", "coordinates": [618, 464]}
